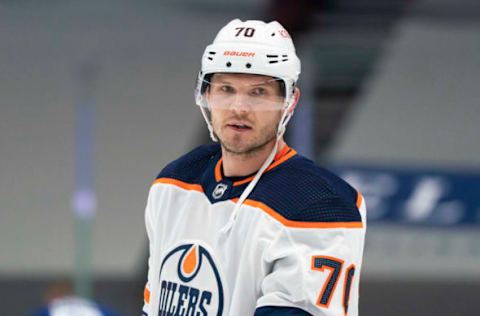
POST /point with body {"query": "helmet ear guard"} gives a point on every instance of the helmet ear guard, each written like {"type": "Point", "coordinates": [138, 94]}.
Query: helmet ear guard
{"type": "Point", "coordinates": [296, 97]}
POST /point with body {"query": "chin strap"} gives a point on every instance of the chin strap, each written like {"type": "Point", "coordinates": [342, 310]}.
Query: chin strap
{"type": "Point", "coordinates": [249, 189]}
{"type": "Point", "coordinates": [280, 131]}
{"type": "Point", "coordinates": [209, 124]}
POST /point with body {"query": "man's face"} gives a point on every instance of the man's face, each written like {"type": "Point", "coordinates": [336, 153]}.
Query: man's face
{"type": "Point", "coordinates": [240, 126]}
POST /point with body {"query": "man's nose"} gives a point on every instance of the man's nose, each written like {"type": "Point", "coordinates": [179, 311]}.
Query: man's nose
{"type": "Point", "coordinates": [240, 103]}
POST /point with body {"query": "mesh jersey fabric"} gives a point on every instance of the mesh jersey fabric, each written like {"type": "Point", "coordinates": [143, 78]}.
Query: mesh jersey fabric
{"type": "Point", "coordinates": [296, 189]}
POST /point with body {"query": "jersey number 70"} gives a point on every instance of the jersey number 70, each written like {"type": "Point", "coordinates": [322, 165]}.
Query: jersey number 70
{"type": "Point", "coordinates": [320, 263]}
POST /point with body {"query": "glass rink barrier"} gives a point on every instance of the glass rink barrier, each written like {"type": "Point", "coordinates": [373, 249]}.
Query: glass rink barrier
{"type": "Point", "coordinates": [422, 224]}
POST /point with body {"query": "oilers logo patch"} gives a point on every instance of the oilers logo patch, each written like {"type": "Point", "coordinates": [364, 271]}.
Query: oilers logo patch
{"type": "Point", "coordinates": [190, 283]}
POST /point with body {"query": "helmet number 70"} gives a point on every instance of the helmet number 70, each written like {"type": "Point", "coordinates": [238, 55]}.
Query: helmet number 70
{"type": "Point", "coordinates": [247, 31]}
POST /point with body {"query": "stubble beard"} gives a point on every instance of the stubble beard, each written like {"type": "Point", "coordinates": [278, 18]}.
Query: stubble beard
{"type": "Point", "coordinates": [247, 148]}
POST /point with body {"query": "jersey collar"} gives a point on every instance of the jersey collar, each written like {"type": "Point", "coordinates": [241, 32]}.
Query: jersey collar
{"type": "Point", "coordinates": [218, 188]}
{"type": "Point", "coordinates": [282, 156]}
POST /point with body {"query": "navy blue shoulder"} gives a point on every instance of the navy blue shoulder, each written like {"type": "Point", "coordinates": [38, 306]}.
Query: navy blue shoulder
{"type": "Point", "coordinates": [301, 191]}
{"type": "Point", "coordinates": [191, 166]}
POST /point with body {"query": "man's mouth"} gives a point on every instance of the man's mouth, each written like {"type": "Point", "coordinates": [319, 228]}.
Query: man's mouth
{"type": "Point", "coordinates": [239, 126]}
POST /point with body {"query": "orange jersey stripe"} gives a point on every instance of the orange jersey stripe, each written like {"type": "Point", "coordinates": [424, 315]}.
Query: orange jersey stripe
{"type": "Point", "coordinates": [218, 172]}
{"type": "Point", "coordinates": [273, 165]}
{"type": "Point", "coordinates": [146, 295]}
{"type": "Point", "coordinates": [282, 152]}
{"type": "Point", "coordinates": [290, 153]}
{"type": "Point", "coordinates": [359, 199]}
{"type": "Point", "coordinates": [297, 224]}
{"type": "Point", "coordinates": [181, 184]}
{"type": "Point", "coordinates": [266, 209]}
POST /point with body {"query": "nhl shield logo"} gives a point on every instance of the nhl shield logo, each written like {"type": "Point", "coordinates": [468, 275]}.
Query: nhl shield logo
{"type": "Point", "coordinates": [219, 190]}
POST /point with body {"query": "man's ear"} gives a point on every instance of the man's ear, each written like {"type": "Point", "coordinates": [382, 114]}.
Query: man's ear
{"type": "Point", "coordinates": [297, 97]}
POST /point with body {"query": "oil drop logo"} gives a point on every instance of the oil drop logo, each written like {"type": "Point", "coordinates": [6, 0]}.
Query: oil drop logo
{"type": "Point", "coordinates": [190, 282]}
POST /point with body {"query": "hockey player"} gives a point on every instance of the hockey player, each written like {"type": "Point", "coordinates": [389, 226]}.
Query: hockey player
{"type": "Point", "coordinates": [248, 226]}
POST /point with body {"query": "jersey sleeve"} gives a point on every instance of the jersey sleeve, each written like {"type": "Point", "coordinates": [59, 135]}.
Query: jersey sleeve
{"type": "Point", "coordinates": [151, 240]}
{"type": "Point", "coordinates": [314, 269]}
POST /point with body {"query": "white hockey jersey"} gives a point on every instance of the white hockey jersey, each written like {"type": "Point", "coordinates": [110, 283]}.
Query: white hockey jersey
{"type": "Point", "coordinates": [295, 247]}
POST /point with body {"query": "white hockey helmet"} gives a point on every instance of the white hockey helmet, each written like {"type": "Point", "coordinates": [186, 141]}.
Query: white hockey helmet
{"type": "Point", "coordinates": [251, 47]}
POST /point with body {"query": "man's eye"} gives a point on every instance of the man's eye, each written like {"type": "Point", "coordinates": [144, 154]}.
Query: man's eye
{"type": "Point", "coordinates": [226, 89]}
{"type": "Point", "coordinates": [259, 92]}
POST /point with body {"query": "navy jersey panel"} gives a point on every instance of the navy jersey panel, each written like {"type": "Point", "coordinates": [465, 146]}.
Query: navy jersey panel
{"type": "Point", "coordinates": [301, 191]}
{"type": "Point", "coordinates": [297, 189]}
{"type": "Point", "coordinates": [191, 166]}
{"type": "Point", "coordinates": [281, 311]}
